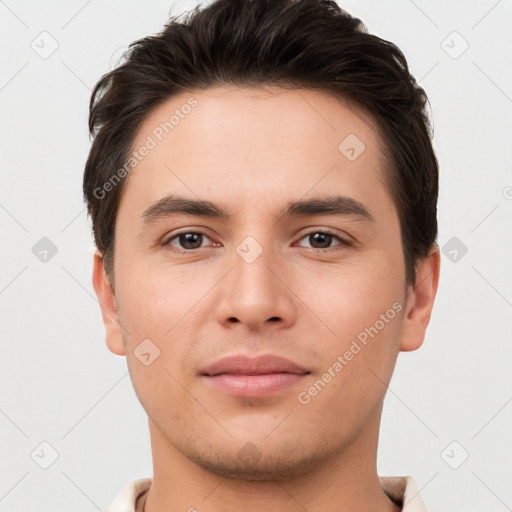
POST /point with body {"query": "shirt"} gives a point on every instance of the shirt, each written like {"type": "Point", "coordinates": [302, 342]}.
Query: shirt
{"type": "Point", "coordinates": [400, 489]}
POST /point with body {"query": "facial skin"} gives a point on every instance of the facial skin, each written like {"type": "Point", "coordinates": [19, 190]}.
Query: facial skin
{"type": "Point", "coordinates": [251, 151]}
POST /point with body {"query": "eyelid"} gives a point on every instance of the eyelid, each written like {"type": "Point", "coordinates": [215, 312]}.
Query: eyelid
{"type": "Point", "coordinates": [167, 239]}
{"type": "Point", "coordinates": [343, 242]}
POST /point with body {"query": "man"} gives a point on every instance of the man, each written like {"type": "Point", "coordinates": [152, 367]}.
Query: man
{"type": "Point", "coordinates": [263, 191]}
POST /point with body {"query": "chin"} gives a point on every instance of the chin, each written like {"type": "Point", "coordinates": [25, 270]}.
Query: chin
{"type": "Point", "coordinates": [266, 468]}
{"type": "Point", "coordinates": [258, 461]}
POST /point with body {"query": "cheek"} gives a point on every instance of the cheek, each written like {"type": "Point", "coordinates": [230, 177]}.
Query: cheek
{"type": "Point", "coordinates": [351, 294]}
{"type": "Point", "coordinates": [359, 362]}
{"type": "Point", "coordinates": [153, 301]}
{"type": "Point", "coordinates": [362, 307]}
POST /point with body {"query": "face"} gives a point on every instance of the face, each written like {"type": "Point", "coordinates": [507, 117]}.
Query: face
{"type": "Point", "coordinates": [258, 227]}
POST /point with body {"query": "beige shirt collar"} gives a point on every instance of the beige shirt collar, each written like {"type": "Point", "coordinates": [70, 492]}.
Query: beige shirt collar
{"type": "Point", "coordinates": [402, 489]}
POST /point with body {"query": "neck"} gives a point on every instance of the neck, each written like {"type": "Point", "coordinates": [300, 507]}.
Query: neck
{"type": "Point", "coordinates": [346, 480]}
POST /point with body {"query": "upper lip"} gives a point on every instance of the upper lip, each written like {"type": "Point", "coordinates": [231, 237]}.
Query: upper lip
{"type": "Point", "coordinates": [260, 365]}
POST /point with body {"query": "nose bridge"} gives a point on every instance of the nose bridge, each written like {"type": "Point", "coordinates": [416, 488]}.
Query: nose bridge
{"type": "Point", "coordinates": [254, 294]}
{"type": "Point", "coordinates": [252, 261]}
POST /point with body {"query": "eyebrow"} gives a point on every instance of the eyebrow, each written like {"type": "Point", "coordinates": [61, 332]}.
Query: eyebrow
{"type": "Point", "coordinates": [329, 205]}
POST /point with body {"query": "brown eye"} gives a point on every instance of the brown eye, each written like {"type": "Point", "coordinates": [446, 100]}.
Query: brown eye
{"type": "Point", "coordinates": [321, 240]}
{"type": "Point", "coordinates": [188, 240]}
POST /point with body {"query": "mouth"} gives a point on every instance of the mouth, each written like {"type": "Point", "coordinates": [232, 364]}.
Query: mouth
{"type": "Point", "coordinates": [253, 377]}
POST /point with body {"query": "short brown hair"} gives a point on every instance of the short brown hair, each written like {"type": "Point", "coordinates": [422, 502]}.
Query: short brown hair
{"type": "Point", "coordinates": [290, 43]}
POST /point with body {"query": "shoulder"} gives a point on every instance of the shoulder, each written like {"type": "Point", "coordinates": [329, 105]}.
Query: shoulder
{"type": "Point", "coordinates": [404, 491]}
{"type": "Point", "coordinates": [126, 500]}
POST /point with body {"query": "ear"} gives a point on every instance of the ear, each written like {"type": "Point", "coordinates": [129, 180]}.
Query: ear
{"type": "Point", "coordinates": [107, 300]}
{"type": "Point", "coordinates": [420, 301]}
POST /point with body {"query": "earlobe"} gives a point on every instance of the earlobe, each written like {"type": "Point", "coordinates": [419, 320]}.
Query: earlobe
{"type": "Point", "coordinates": [107, 300]}
{"type": "Point", "coordinates": [420, 301]}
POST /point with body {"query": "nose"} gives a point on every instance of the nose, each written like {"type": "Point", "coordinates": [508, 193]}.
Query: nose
{"type": "Point", "coordinates": [257, 293]}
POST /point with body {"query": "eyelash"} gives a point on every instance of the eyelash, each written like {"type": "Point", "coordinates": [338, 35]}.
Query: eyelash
{"type": "Point", "coordinates": [343, 243]}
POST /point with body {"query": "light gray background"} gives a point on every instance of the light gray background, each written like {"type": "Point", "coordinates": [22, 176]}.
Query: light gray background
{"type": "Point", "coordinates": [61, 385]}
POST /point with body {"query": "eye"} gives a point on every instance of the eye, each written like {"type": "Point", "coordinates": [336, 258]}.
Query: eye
{"type": "Point", "coordinates": [188, 240]}
{"type": "Point", "coordinates": [321, 240]}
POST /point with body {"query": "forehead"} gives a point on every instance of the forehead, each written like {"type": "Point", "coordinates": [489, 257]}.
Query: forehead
{"type": "Point", "coordinates": [236, 143]}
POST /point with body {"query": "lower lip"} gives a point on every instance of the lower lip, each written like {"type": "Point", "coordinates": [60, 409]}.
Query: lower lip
{"type": "Point", "coordinates": [253, 386]}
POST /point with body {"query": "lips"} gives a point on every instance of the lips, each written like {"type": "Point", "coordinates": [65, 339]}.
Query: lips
{"type": "Point", "coordinates": [261, 365]}
{"type": "Point", "coordinates": [253, 377]}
